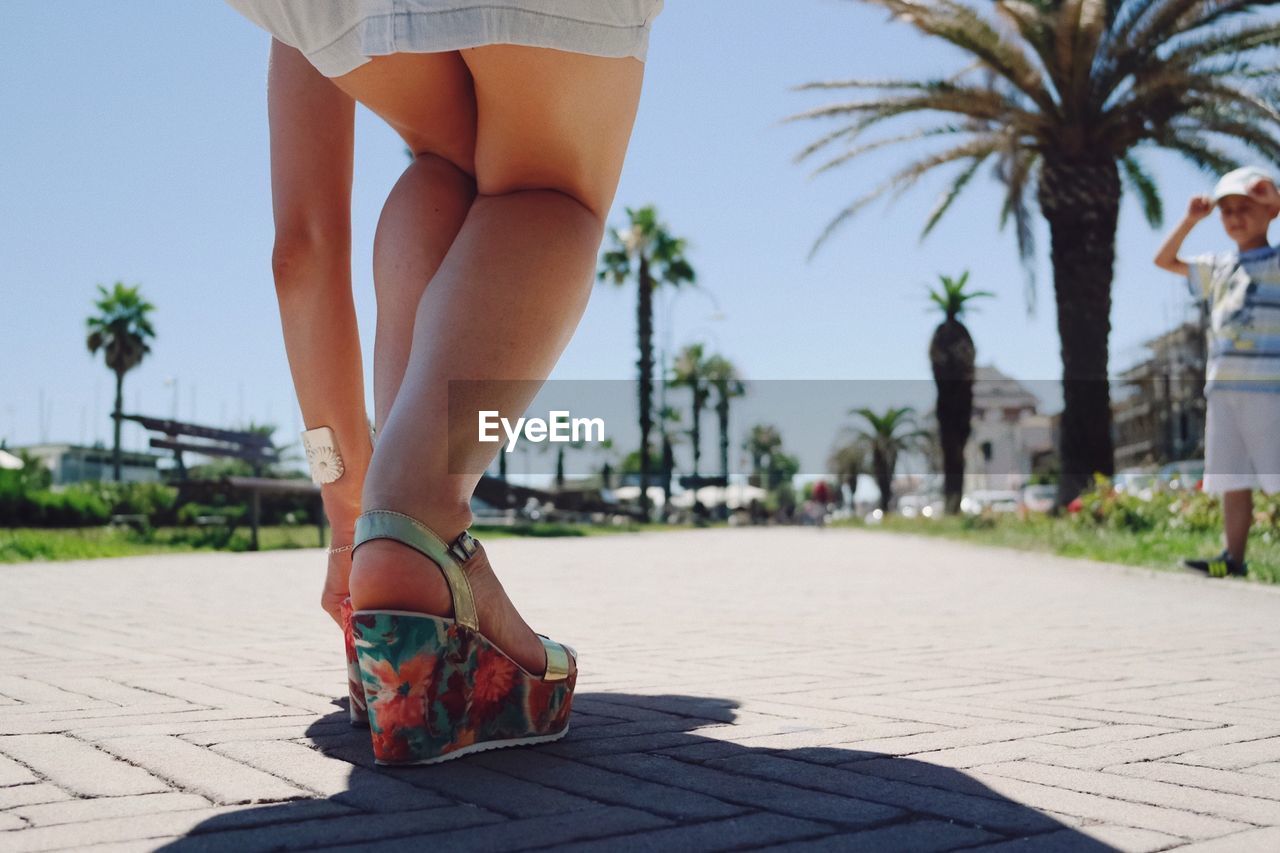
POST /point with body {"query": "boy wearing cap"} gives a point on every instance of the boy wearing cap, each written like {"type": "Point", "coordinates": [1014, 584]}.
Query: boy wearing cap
{"type": "Point", "coordinates": [1242, 292]}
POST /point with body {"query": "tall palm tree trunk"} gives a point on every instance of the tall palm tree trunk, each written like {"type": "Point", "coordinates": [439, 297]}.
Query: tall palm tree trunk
{"type": "Point", "coordinates": [883, 471]}
{"type": "Point", "coordinates": [117, 416]}
{"type": "Point", "coordinates": [722, 415]}
{"type": "Point", "coordinates": [696, 435]}
{"type": "Point", "coordinates": [953, 374]}
{"type": "Point", "coordinates": [1081, 202]}
{"type": "Point", "coordinates": [644, 326]}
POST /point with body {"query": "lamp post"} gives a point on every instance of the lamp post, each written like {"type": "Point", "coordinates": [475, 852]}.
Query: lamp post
{"type": "Point", "coordinates": [172, 382]}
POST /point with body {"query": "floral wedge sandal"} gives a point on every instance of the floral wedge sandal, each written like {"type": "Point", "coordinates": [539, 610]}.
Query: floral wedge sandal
{"type": "Point", "coordinates": [436, 687]}
{"type": "Point", "coordinates": [356, 707]}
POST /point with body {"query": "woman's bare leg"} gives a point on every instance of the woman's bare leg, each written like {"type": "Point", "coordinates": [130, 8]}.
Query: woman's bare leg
{"type": "Point", "coordinates": [419, 222]}
{"type": "Point", "coordinates": [312, 121]}
{"type": "Point", "coordinates": [429, 99]}
{"type": "Point", "coordinates": [312, 124]}
{"type": "Point", "coordinates": [552, 133]}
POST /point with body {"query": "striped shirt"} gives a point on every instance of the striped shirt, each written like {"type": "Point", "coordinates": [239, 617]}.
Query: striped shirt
{"type": "Point", "coordinates": [1242, 292]}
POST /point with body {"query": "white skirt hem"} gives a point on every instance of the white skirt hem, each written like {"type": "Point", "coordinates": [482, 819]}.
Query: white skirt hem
{"type": "Point", "coordinates": [437, 30]}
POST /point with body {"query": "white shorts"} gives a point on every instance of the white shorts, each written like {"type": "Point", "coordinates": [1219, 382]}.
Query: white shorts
{"type": "Point", "coordinates": [338, 36]}
{"type": "Point", "coordinates": [1242, 441]}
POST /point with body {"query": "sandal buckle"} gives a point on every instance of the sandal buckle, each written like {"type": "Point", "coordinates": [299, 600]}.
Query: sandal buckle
{"type": "Point", "coordinates": [464, 546]}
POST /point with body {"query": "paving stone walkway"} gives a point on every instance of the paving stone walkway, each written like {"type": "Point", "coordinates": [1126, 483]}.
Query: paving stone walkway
{"type": "Point", "coordinates": [780, 688]}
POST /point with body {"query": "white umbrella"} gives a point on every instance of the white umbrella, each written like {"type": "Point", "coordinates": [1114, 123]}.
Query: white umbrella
{"type": "Point", "coordinates": [627, 494]}
{"type": "Point", "coordinates": [9, 462]}
{"type": "Point", "coordinates": [736, 495]}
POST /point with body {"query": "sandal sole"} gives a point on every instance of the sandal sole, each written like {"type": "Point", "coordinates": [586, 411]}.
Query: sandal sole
{"type": "Point", "coordinates": [477, 747]}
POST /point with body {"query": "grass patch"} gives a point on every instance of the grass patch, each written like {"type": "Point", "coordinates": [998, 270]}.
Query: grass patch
{"type": "Point", "coordinates": [27, 544]}
{"type": "Point", "coordinates": [1161, 549]}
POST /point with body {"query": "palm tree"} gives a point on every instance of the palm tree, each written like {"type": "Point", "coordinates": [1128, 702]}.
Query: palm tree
{"type": "Point", "coordinates": [848, 461]}
{"type": "Point", "coordinates": [886, 435]}
{"type": "Point", "coordinates": [951, 353]}
{"type": "Point", "coordinates": [1059, 96]}
{"type": "Point", "coordinates": [762, 441]}
{"type": "Point", "coordinates": [723, 377]}
{"type": "Point", "coordinates": [122, 330]}
{"type": "Point", "coordinates": [646, 252]}
{"type": "Point", "coordinates": [691, 372]}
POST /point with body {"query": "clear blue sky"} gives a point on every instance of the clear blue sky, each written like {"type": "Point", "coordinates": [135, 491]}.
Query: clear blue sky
{"type": "Point", "coordinates": [135, 148]}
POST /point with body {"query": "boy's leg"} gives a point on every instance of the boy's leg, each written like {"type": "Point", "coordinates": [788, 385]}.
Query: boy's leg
{"type": "Point", "coordinates": [1258, 414]}
{"type": "Point", "coordinates": [1229, 474]}
{"type": "Point", "coordinates": [1237, 516]}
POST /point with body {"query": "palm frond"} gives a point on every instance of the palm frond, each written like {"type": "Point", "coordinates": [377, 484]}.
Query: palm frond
{"type": "Point", "coordinates": [1156, 101]}
{"type": "Point", "coordinates": [1139, 43]}
{"type": "Point", "coordinates": [1138, 180]}
{"type": "Point", "coordinates": [1080, 27]}
{"type": "Point", "coordinates": [1201, 154]}
{"type": "Point", "coordinates": [1232, 126]}
{"type": "Point", "coordinates": [923, 133]}
{"type": "Point", "coordinates": [972, 32]}
{"type": "Point", "coordinates": [952, 192]}
{"type": "Point", "coordinates": [864, 83]}
{"type": "Point", "coordinates": [972, 101]}
{"type": "Point", "coordinates": [1234, 43]}
{"type": "Point", "coordinates": [1015, 171]}
{"type": "Point", "coordinates": [1037, 29]}
{"type": "Point", "coordinates": [904, 179]}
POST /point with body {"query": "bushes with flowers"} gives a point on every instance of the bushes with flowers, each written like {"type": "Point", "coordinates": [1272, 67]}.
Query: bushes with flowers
{"type": "Point", "coordinates": [1171, 511]}
{"type": "Point", "coordinates": [1115, 527]}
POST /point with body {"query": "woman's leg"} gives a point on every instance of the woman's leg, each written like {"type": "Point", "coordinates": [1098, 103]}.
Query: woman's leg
{"type": "Point", "coordinates": [551, 136]}
{"type": "Point", "coordinates": [312, 123]}
{"type": "Point", "coordinates": [429, 99]}
{"type": "Point", "coordinates": [419, 222]}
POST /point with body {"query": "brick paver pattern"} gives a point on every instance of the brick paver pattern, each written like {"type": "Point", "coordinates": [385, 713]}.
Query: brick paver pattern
{"type": "Point", "coordinates": [756, 688]}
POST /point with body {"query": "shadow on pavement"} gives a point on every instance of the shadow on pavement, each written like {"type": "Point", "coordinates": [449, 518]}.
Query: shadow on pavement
{"type": "Point", "coordinates": [634, 773]}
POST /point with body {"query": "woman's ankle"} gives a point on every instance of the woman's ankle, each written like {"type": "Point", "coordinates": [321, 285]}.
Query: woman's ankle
{"type": "Point", "coordinates": [388, 575]}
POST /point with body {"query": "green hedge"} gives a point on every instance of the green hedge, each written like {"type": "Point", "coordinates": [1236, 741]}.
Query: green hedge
{"type": "Point", "coordinates": [26, 500]}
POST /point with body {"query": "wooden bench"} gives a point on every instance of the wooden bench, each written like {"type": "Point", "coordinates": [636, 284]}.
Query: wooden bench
{"type": "Point", "coordinates": [254, 448]}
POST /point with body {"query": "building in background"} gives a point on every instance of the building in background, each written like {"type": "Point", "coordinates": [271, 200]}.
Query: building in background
{"type": "Point", "coordinates": [71, 463]}
{"type": "Point", "coordinates": [1011, 441]}
{"type": "Point", "coordinates": [1158, 413]}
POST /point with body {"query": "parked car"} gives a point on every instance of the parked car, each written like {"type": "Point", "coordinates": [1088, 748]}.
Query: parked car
{"type": "Point", "coordinates": [1039, 497]}
{"type": "Point", "coordinates": [922, 506]}
{"type": "Point", "coordinates": [992, 500]}
{"type": "Point", "coordinates": [1186, 475]}
{"type": "Point", "coordinates": [1139, 482]}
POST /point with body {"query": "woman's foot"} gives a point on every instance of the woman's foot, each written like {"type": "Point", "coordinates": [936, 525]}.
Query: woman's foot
{"type": "Point", "coordinates": [387, 575]}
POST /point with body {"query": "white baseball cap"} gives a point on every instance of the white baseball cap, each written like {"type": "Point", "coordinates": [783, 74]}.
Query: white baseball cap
{"type": "Point", "coordinates": [1237, 181]}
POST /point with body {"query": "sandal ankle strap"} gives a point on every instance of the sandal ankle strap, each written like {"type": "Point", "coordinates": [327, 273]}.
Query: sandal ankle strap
{"type": "Point", "coordinates": [386, 524]}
